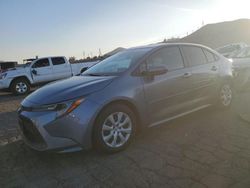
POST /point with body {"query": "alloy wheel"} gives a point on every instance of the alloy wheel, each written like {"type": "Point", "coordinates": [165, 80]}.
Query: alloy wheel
{"type": "Point", "coordinates": [116, 129]}
{"type": "Point", "coordinates": [21, 87]}
{"type": "Point", "coordinates": [226, 95]}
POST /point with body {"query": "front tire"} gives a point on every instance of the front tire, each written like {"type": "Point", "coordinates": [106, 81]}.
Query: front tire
{"type": "Point", "coordinates": [20, 87]}
{"type": "Point", "coordinates": [114, 129]}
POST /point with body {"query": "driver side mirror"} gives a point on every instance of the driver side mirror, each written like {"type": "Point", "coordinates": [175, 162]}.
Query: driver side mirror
{"type": "Point", "coordinates": [34, 72]}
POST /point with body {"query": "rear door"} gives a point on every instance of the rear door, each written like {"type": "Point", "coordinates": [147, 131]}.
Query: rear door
{"type": "Point", "coordinates": [204, 69]}
{"type": "Point", "coordinates": [41, 71]}
{"type": "Point", "coordinates": [169, 94]}
{"type": "Point", "coordinates": [61, 68]}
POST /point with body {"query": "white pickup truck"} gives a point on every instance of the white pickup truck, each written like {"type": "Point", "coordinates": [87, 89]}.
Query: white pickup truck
{"type": "Point", "coordinates": [42, 70]}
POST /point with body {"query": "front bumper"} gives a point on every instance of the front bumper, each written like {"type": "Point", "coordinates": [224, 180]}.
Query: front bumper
{"type": "Point", "coordinates": [42, 131]}
{"type": "Point", "coordinates": [5, 83]}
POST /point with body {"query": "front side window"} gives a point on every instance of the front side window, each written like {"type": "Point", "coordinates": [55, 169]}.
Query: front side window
{"type": "Point", "coordinates": [194, 55]}
{"type": "Point", "coordinates": [41, 63]}
{"type": "Point", "coordinates": [169, 57]}
{"type": "Point", "coordinates": [57, 60]}
{"type": "Point", "coordinates": [117, 63]}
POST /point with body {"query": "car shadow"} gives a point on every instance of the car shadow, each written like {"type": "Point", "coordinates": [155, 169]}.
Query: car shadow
{"type": "Point", "coordinates": [152, 149]}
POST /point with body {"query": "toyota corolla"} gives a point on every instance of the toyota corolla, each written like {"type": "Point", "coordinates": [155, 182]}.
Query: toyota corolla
{"type": "Point", "coordinates": [134, 89]}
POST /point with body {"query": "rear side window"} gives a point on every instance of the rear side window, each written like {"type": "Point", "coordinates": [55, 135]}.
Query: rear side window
{"type": "Point", "coordinates": [169, 57]}
{"type": "Point", "coordinates": [194, 55]}
{"type": "Point", "coordinates": [57, 60]}
{"type": "Point", "coordinates": [210, 56]}
{"type": "Point", "coordinates": [41, 63]}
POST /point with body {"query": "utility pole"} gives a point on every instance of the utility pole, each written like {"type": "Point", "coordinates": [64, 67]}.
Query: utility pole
{"type": "Point", "coordinates": [100, 52]}
{"type": "Point", "coordinates": [83, 53]}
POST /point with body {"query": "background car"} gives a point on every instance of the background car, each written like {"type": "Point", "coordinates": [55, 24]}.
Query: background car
{"type": "Point", "coordinates": [231, 50]}
{"type": "Point", "coordinates": [241, 68]}
{"type": "Point", "coordinates": [39, 71]}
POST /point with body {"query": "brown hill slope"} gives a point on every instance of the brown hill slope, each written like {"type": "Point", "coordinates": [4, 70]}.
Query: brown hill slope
{"type": "Point", "coordinates": [220, 34]}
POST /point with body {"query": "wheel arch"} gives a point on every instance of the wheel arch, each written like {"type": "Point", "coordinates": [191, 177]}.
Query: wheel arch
{"type": "Point", "coordinates": [224, 79]}
{"type": "Point", "coordinates": [20, 77]}
{"type": "Point", "coordinates": [227, 79]}
{"type": "Point", "coordinates": [125, 102]}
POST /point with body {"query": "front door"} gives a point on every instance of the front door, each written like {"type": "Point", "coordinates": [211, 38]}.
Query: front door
{"type": "Point", "coordinates": [41, 71]}
{"type": "Point", "coordinates": [170, 94]}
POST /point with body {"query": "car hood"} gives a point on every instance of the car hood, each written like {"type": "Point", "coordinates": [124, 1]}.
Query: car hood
{"type": "Point", "coordinates": [68, 89]}
{"type": "Point", "coordinates": [15, 69]}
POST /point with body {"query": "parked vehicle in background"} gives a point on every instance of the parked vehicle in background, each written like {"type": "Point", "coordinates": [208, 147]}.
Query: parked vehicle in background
{"type": "Point", "coordinates": [39, 71]}
{"type": "Point", "coordinates": [231, 49]}
{"type": "Point", "coordinates": [242, 58]}
{"type": "Point", "coordinates": [4, 65]}
{"type": "Point", "coordinates": [131, 90]}
{"type": "Point", "coordinates": [241, 68]}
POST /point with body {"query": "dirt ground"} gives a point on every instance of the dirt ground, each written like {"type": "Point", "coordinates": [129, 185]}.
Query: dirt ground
{"type": "Point", "coordinates": [210, 148]}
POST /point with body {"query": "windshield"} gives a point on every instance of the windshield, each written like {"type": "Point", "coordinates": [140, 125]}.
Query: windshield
{"type": "Point", "coordinates": [117, 63]}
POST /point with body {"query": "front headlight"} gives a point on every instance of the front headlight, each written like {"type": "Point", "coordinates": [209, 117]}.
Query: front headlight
{"type": "Point", "coordinates": [3, 75]}
{"type": "Point", "coordinates": [60, 108]}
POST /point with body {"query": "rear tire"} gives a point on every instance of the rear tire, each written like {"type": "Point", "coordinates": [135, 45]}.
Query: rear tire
{"type": "Point", "coordinates": [20, 86]}
{"type": "Point", "coordinates": [114, 129]}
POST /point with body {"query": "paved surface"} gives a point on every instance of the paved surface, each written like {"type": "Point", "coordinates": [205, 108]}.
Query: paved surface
{"type": "Point", "coordinates": [210, 148]}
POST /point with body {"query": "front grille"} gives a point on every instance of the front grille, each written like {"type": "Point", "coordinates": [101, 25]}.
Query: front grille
{"type": "Point", "coordinates": [31, 133]}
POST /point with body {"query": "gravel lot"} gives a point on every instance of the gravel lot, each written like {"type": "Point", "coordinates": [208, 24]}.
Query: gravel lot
{"type": "Point", "coordinates": [210, 148]}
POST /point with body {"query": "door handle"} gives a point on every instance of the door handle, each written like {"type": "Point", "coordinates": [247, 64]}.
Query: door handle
{"type": "Point", "coordinates": [214, 68]}
{"type": "Point", "coordinates": [187, 74]}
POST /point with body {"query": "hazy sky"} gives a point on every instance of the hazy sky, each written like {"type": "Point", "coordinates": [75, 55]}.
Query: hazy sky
{"type": "Point", "coordinates": [69, 27]}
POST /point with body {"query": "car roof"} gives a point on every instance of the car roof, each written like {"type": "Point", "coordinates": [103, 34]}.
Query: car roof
{"type": "Point", "coordinates": [159, 45]}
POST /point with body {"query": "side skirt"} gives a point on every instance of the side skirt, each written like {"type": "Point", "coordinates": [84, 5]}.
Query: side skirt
{"type": "Point", "coordinates": [180, 115]}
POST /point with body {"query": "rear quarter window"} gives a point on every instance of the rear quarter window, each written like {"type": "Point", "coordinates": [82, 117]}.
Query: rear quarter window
{"type": "Point", "coordinates": [211, 57]}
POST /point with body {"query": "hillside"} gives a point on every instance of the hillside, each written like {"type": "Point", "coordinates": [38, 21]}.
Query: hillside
{"type": "Point", "coordinates": [220, 34]}
{"type": "Point", "coordinates": [114, 52]}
